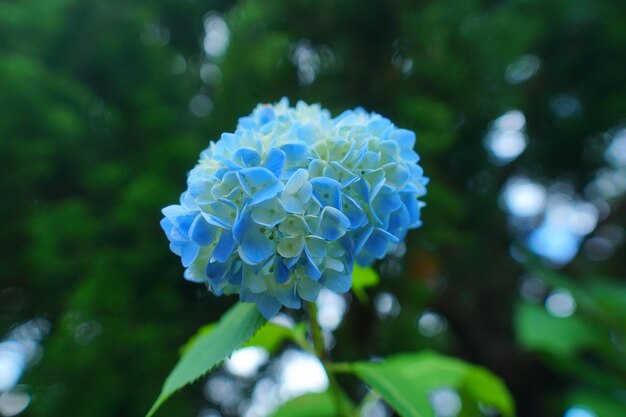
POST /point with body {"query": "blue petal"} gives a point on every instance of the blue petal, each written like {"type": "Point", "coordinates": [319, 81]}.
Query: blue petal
{"type": "Point", "coordinates": [307, 133]}
{"type": "Point", "coordinates": [266, 114]}
{"type": "Point", "coordinates": [222, 213]}
{"type": "Point", "coordinates": [296, 158]}
{"type": "Point", "coordinates": [364, 259]}
{"type": "Point", "coordinates": [290, 262]}
{"type": "Point", "coordinates": [294, 151]}
{"type": "Point", "coordinates": [268, 213]}
{"type": "Point", "coordinates": [267, 127]}
{"type": "Point", "coordinates": [189, 253]}
{"type": "Point", "coordinates": [236, 275]}
{"type": "Point", "coordinates": [293, 204]}
{"type": "Point", "coordinates": [216, 271]}
{"type": "Point", "coordinates": [177, 236]}
{"type": "Point", "coordinates": [378, 124]}
{"type": "Point", "coordinates": [337, 281]}
{"type": "Point", "coordinates": [346, 248]}
{"type": "Point", "coordinates": [316, 246]}
{"type": "Point", "coordinates": [290, 246]}
{"type": "Point", "coordinates": [177, 248]}
{"type": "Point", "coordinates": [312, 217]}
{"type": "Point", "coordinates": [281, 273]}
{"type": "Point", "coordinates": [289, 298]}
{"type": "Point", "coordinates": [386, 202]}
{"type": "Point", "coordinates": [355, 156]}
{"type": "Point", "coordinates": [180, 217]}
{"type": "Point", "coordinates": [255, 249]}
{"type": "Point", "coordinates": [377, 243]}
{"type": "Point", "coordinates": [411, 204]}
{"type": "Point", "coordinates": [297, 192]}
{"type": "Point", "coordinates": [345, 118]}
{"type": "Point", "coordinates": [188, 202]}
{"type": "Point", "coordinates": [254, 244]}
{"type": "Point", "coordinates": [199, 188]}
{"type": "Point", "coordinates": [268, 306]}
{"type": "Point", "coordinates": [275, 161]}
{"type": "Point", "coordinates": [388, 148]}
{"type": "Point", "coordinates": [370, 160]}
{"type": "Point", "coordinates": [360, 237]}
{"type": "Point", "coordinates": [311, 269]}
{"type": "Point", "coordinates": [359, 188]}
{"type": "Point", "coordinates": [167, 227]}
{"type": "Point", "coordinates": [221, 173]}
{"type": "Point", "coordinates": [229, 142]}
{"type": "Point", "coordinates": [259, 183]}
{"type": "Point", "coordinates": [333, 223]}
{"type": "Point", "coordinates": [246, 157]}
{"type": "Point", "coordinates": [247, 296]}
{"type": "Point", "coordinates": [202, 232]}
{"type": "Point", "coordinates": [254, 282]}
{"type": "Point", "coordinates": [390, 237]}
{"type": "Point", "coordinates": [406, 141]}
{"type": "Point", "coordinates": [225, 246]}
{"type": "Point", "coordinates": [334, 264]}
{"type": "Point", "coordinates": [173, 211]}
{"type": "Point", "coordinates": [327, 192]}
{"type": "Point", "coordinates": [337, 172]}
{"type": "Point", "coordinates": [316, 168]}
{"type": "Point", "coordinates": [308, 290]}
{"type": "Point", "coordinates": [399, 222]}
{"type": "Point", "coordinates": [354, 212]}
{"type": "Point", "coordinates": [247, 122]}
{"type": "Point", "coordinates": [404, 137]}
{"type": "Point", "coordinates": [376, 179]}
{"type": "Point", "coordinates": [229, 182]}
{"type": "Point", "coordinates": [196, 272]}
{"type": "Point", "coordinates": [294, 226]}
{"type": "Point", "coordinates": [397, 174]}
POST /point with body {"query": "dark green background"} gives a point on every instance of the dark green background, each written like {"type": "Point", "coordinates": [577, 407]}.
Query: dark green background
{"type": "Point", "coordinates": [96, 136]}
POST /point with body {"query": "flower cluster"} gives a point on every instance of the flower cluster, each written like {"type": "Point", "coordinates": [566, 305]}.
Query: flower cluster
{"type": "Point", "coordinates": [286, 204]}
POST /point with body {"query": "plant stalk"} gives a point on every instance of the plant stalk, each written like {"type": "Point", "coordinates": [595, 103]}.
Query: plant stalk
{"type": "Point", "coordinates": [343, 408]}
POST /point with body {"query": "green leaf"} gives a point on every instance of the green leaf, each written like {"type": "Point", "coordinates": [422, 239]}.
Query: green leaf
{"type": "Point", "coordinates": [363, 278]}
{"type": "Point", "coordinates": [610, 296]}
{"type": "Point", "coordinates": [235, 327]}
{"type": "Point", "coordinates": [269, 337]}
{"type": "Point", "coordinates": [310, 405]}
{"type": "Point", "coordinates": [584, 298]}
{"type": "Point", "coordinates": [602, 403]}
{"type": "Point", "coordinates": [405, 381]}
{"type": "Point", "coordinates": [537, 330]}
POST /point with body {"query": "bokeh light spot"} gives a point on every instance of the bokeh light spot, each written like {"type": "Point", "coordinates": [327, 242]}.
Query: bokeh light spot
{"type": "Point", "coordinates": [431, 324]}
{"type": "Point", "coordinates": [446, 402]}
{"type": "Point", "coordinates": [14, 402]}
{"type": "Point", "coordinates": [523, 197]}
{"type": "Point", "coordinates": [386, 305]}
{"type": "Point", "coordinates": [217, 35]}
{"type": "Point", "coordinates": [246, 362]}
{"type": "Point", "coordinates": [522, 69]}
{"type": "Point", "coordinates": [579, 411]}
{"type": "Point", "coordinates": [560, 303]}
{"type": "Point", "coordinates": [331, 309]}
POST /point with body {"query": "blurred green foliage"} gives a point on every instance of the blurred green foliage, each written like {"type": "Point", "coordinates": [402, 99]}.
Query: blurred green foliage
{"type": "Point", "coordinates": [97, 131]}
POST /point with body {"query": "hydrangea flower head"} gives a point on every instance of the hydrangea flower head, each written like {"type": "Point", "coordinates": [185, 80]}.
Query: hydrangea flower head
{"type": "Point", "coordinates": [287, 203]}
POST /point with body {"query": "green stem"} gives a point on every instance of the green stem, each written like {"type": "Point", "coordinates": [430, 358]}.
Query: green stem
{"type": "Point", "coordinates": [316, 332]}
{"type": "Point", "coordinates": [339, 367]}
{"type": "Point", "coordinates": [343, 408]}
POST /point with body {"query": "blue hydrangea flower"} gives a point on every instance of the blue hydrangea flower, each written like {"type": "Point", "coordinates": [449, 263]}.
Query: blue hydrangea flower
{"type": "Point", "coordinates": [285, 205]}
